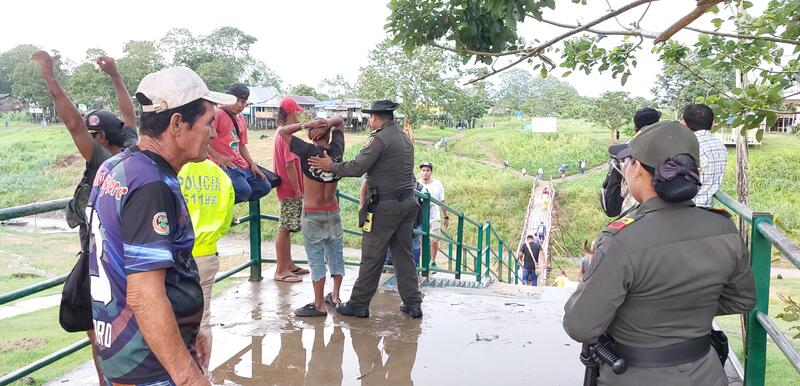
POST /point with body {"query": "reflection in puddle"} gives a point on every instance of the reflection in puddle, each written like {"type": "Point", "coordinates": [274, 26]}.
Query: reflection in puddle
{"type": "Point", "coordinates": [496, 335]}
{"type": "Point", "coordinates": [319, 359]}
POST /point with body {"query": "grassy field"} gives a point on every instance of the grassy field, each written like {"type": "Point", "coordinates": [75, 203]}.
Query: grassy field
{"type": "Point", "coordinates": [503, 139]}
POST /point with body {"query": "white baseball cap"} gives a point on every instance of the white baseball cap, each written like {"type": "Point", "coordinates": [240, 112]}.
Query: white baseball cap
{"type": "Point", "coordinates": [176, 86]}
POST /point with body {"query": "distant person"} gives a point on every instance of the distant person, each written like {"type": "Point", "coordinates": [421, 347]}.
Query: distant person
{"type": "Point", "coordinates": [322, 226]}
{"type": "Point", "coordinates": [229, 148]}
{"type": "Point", "coordinates": [713, 156]}
{"type": "Point", "coordinates": [438, 215]}
{"type": "Point", "coordinates": [582, 165]}
{"type": "Point", "coordinates": [562, 280]}
{"type": "Point", "coordinates": [5, 120]}
{"type": "Point", "coordinates": [147, 301]}
{"type": "Point", "coordinates": [540, 173]}
{"type": "Point", "coordinates": [528, 254]}
{"type": "Point", "coordinates": [505, 162]}
{"type": "Point", "coordinates": [209, 196]}
{"type": "Point", "coordinates": [98, 136]}
{"type": "Point", "coordinates": [524, 172]}
{"type": "Point", "coordinates": [290, 195]}
{"type": "Point", "coordinates": [563, 170]}
{"type": "Point", "coordinates": [541, 231]}
{"type": "Point", "coordinates": [614, 198]}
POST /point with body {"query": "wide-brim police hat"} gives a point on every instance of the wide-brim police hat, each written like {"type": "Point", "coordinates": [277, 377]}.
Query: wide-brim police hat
{"type": "Point", "coordinates": [381, 106]}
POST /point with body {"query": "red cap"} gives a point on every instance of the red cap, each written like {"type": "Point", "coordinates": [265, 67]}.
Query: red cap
{"type": "Point", "coordinates": [289, 105]}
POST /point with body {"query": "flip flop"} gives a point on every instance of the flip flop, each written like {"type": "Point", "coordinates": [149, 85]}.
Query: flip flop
{"type": "Point", "coordinates": [309, 310]}
{"type": "Point", "coordinates": [290, 278]}
{"type": "Point", "coordinates": [329, 300]}
{"type": "Point", "coordinates": [300, 271]}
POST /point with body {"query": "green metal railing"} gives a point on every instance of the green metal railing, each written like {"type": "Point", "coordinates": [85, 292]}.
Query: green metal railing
{"type": "Point", "coordinates": [763, 235]}
{"type": "Point", "coordinates": [459, 255]}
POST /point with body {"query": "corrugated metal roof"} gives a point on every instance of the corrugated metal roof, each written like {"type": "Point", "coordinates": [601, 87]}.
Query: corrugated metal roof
{"type": "Point", "coordinates": [341, 102]}
{"type": "Point", "coordinates": [261, 94]}
{"type": "Point", "coordinates": [304, 99]}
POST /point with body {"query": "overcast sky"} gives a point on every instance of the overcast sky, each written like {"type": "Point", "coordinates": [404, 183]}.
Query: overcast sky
{"type": "Point", "coordinates": [291, 33]}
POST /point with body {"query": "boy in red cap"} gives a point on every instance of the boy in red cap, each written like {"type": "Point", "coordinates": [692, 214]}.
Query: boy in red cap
{"type": "Point", "coordinates": [290, 195]}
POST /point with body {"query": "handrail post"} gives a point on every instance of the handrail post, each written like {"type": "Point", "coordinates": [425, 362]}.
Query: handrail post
{"type": "Point", "coordinates": [460, 246]}
{"type": "Point", "coordinates": [449, 256]}
{"type": "Point", "coordinates": [508, 265]}
{"type": "Point", "coordinates": [479, 255]}
{"type": "Point", "coordinates": [516, 270]}
{"type": "Point", "coordinates": [500, 258]}
{"type": "Point", "coordinates": [756, 339]}
{"type": "Point", "coordinates": [488, 234]}
{"type": "Point", "coordinates": [426, 234]}
{"type": "Point", "coordinates": [255, 240]}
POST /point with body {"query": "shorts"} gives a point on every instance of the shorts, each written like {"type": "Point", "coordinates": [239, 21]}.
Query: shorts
{"type": "Point", "coordinates": [529, 274]}
{"type": "Point", "coordinates": [166, 382]}
{"type": "Point", "coordinates": [291, 210]}
{"type": "Point", "coordinates": [322, 237]}
{"type": "Point", "coordinates": [207, 268]}
{"type": "Point", "coordinates": [436, 228]}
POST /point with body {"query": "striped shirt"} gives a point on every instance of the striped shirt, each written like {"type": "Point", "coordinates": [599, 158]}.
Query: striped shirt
{"type": "Point", "coordinates": [713, 158]}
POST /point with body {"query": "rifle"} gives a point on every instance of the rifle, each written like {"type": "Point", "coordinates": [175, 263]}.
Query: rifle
{"type": "Point", "coordinates": [594, 355]}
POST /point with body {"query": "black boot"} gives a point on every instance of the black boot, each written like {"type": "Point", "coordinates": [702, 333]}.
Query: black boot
{"type": "Point", "coordinates": [415, 312]}
{"type": "Point", "coordinates": [348, 310]}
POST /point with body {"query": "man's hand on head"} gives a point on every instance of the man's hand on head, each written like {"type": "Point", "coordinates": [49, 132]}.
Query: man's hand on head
{"type": "Point", "coordinates": [107, 64]}
{"type": "Point", "coordinates": [322, 163]}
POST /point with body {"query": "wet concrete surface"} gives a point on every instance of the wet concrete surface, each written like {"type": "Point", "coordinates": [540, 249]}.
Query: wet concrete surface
{"type": "Point", "coordinates": [499, 335]}
{"type": "Point", "coordinates": [505, 335]}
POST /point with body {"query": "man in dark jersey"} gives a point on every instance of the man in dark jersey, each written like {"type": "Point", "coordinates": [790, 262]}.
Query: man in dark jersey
{"type": "Point", "coordinates": [98, 135]}
{"type": "Point", "coordinates": [321, 224]}
{"type": "Point", "coordinates": [147, 302]}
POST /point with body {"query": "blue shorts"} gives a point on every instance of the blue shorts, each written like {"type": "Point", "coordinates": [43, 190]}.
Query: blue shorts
{"type": "Point", "coordinates": [529, 274]}
{"type": "Point", "coordinates": [322, 237]}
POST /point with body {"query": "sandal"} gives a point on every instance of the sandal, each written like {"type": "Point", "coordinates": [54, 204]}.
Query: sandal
{"type": "Point", "coordinates": [309, 310]}
{"type": "Point", "coordinates": [300, 271]}
{"type": "Point", "coordinates": [329, 300]}
{"type": "Point", "coordinates": [290, 278]}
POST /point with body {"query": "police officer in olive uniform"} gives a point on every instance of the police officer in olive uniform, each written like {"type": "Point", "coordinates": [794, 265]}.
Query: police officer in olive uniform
{"type": "Point", "coordinates": [388, 216]}
{"type": "Point", "coordinates": [660, 274]}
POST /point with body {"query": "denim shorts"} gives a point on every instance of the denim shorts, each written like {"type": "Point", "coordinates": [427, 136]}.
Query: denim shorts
{"type": "Point", "coordinates": [322, 237]}
{"type": "Point", "coordinates": [529, 274]}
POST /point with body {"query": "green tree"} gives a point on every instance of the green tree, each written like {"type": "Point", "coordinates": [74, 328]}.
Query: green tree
{"type": "Point", "coordinates": [417, 82]}
{"type": "Point", "coordinates": [337, 87]}
{"type": "Point", "coordinates": [303, 89]}
{"type": "Point", "coordinates": [27, 84]}
{"type": "Point", "coordinates": [258, 74]}
{"type": "Point", "coordinates": [9, 60]}
{"type": "Point", "coordinates": [141, 58]}
{"type": "Point", "coordinates": [218, 74]}
{"type": "Point", "coordinates": [88, 85]}
{"type": "Point", "coordinates": [614, 110]}
{"type": "Point", "coordinates": [514, 90]}
{"type": "Point", "coordinates": [549, 97]}
{"type": "Point", "coordinates": [676, 87]}
{"type": "Point", "coordinates": [488, 33]}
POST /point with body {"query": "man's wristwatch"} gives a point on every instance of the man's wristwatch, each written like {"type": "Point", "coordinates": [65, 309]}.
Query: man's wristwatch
{"type": "Point", "coordinates": [302, 126]}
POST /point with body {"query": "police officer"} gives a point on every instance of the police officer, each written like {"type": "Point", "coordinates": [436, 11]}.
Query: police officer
{"type": "Point", "coordinates": [660, 275]}
{"type": "Point", "coordinates": [388, 216]}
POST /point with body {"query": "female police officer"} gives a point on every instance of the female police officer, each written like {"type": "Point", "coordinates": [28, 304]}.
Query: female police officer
{"type": "Point", "coordinates": [661, 274]}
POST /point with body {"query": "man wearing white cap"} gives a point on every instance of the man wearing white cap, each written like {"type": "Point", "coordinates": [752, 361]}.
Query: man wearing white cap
{"type": "Point", "coordinates": [147, 302]}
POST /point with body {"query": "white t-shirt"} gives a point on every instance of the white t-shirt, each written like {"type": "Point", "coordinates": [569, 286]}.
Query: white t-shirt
{"type": "Point", "coordinates": [436, 190]}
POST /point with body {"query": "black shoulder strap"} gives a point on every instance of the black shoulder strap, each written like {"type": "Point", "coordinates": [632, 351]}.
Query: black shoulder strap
{"type": "Point", "coordinates": [233, 119]}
